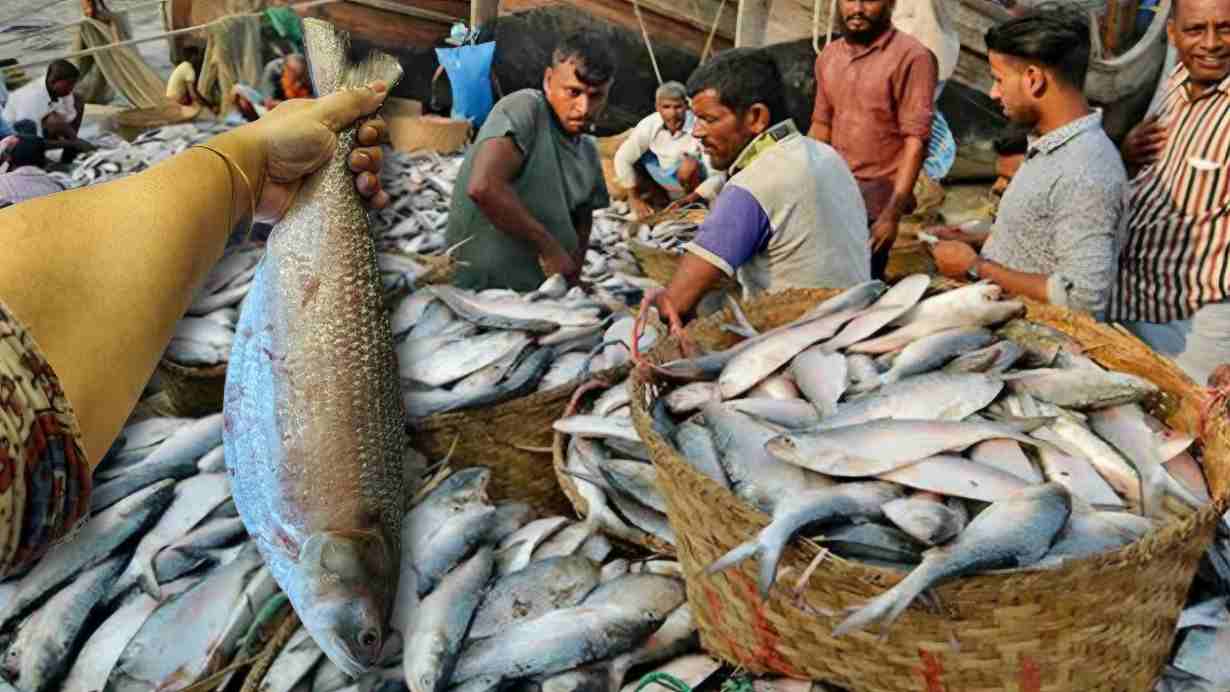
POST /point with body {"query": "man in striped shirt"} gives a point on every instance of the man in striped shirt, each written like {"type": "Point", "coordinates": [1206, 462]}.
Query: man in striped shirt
{"type": "Point", "coordinates": [1174, 274]}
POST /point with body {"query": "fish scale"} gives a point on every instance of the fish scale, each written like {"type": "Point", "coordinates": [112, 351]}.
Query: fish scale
{"type": "Point", "coordinates": [315, 431]}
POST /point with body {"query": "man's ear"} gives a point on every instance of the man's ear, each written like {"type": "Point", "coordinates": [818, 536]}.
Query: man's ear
{"type": "Point", "coordinates": [1036, 80]}
{"type": "Point", "coordinates": [546, 78]}
{"type": "Point", "coordinates": [757, 118]}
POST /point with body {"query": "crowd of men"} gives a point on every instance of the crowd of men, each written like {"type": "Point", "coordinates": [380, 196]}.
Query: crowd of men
{"type": "Point", "coordinates": [1139, 234]}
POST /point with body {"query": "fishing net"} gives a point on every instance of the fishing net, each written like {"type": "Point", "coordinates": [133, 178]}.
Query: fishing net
{"type": "Point", "coordinates": [117, 70]}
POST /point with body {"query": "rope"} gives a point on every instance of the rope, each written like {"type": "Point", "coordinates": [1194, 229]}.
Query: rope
{"type": "Point", "coordinates": [717, 19]}
{"type": "Point", "coordinates": [666, 680]}
{"type": "Point", "coordinates": [815, 26]}
{"type": "Point", "coordinates": [828, 36]}
{"type": "Point", "coordinates": [636, 5]}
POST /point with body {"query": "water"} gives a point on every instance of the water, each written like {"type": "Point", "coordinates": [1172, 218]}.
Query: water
{"type": "Point", "coordinates": [20, 20]}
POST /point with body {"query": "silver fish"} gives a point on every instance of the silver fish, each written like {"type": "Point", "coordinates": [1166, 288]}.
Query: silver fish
{"type": "Point", "coordinates": [421, 404]}
{"type": "Point", "coordinates": [1088, 533]}
{"type": "Point", "coordinates": [292, 664]}
{"type": "Point", "coordinates": [517, 550]}
{"type": "Point", "coordinates": [435, 317]}
{"type": "Point", "coordinates": [691, 397]}
{"type": "Point", "coordinates": [844, 501]}
{"type": "Point", "coordinates": [1006, 455]}
{"type": "Point", "coordinates": [491, 375]}
{"type": "Point", "coordinates": [977, 305]}
{"type": "Point", "coordinates": [650, 521]}
{"type": "Point", "coordinates": [435, 639]}
{"type": "Point", "coordinates": [597, 426]}
{"type": "Point", "coordinates": [872, 541]}
{"type": "Point", "coordinates": [537, 318]}
{"type": "Point", "coordinates": [451, 542]}
{"type": "Point", "coordinates": [927, 518]}
{"type": "Point", "coordinates": [590, 678]}
{"type": "Point", "coordinates": [44, 641]}
{"type": "Point", "coordinates": [139, 476]}
{"type": "Point", "coordinates": [755, 475]}
{"type": "Point", "coordinates": [1069, 468]}
{"type": "Point", "coordinates": [695, 443]}
{"type": "Point", "coordinates": [189, 441]}
{"type": "Point", "coordinates": [933, 351]}
{"type": "Point", "coordinates": [779, 387]}
{"type": "Point", "coordinates": [102, 650]}
{"type": "Point", "coordinates": [1041, 343]}
{"type": "Point", "coordinates": [566, 541]}
{"type": "Point", "coordinates": [873, 448]}
{"type": "Point", "coordinates": [956, 476]}
{"type": "Point", "coordinates": [214, 461]}
{"type": "Point", "coordinates": [543, 586]}
{"type": "Point", "coordinates": [993, 359]}
{"type": "Point", "coordinates": [653, 595]}
{"type": "Point", "coordinates": [1080, 389]}
{"type": "Point", "coordinates": [613, 570]}
{"type": "Point", "coordinates": [1203, 653]}
{"type": "Point", "coordinates": [821, 377]}
{"type": "Point", "coordinates": [91, 545]}
{"type": "Point", "coordinates": [509, 517]}
{"type": "Point", "coordinates": [409, 311]}
{"type": "Point", "coordinates": [675, 637]}
{"type": "Point", "coordinates": [861, 373]}
{"type": "Point", "coordinates": [315, 433]}
{"type": "Point", "coordinates": [558, 641]}
{"type": "Point", "coordinates": [1120, 473]}
{"type": "Point", "coordinates": [933, 396]}
{"type": "Point", "coordinates": [788, 413]}
{"type": "Point", "coordinates": [441, 360]}
{"type": "Point", "coordinates": [612, 400]}
{"type": "Point", "coordinates": [585, 459]}
{"type": "Point", "coordinates": [1125, 427]}
{"type": "Point", "coordinates": [1011, 533]}
{"type": "Point", "coordinates": [892, 304]}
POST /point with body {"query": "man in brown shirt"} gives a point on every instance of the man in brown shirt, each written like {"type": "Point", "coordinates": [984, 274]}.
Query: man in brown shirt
{"type": "Point", "coordinates": [874, 104]}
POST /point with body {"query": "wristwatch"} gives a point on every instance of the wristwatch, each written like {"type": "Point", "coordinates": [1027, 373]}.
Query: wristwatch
{"type": "Point", "coordinates": [972, 272]}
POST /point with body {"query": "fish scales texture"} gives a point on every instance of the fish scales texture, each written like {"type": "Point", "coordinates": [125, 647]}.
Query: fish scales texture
{"type": "Point", "coordinates": [315, 427]}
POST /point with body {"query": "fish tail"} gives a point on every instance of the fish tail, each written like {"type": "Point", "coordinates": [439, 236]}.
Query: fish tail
{"type": "Point", "coordinates": [888, 606]}
{"type": "Point", "coordinates": [770, 555]}
{"type": "Point", "coordinates": [734, 557]}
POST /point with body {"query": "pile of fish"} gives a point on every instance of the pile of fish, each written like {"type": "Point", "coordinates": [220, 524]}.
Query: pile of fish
{"type": "Point", "coordinates": [204, 335]}
{"type": "Point", "coordinates": [116, 158]}
{"type": "Point", "coordinates": [490, 597]}
{"type": "Point", "coordinates": [420, 189]}
{"type": "Point", "coordinates": [459, 349]}
{"type": "Point", "coordinates": [1200, 663]}
{"type": "Point", "coordinates": [944, 436]}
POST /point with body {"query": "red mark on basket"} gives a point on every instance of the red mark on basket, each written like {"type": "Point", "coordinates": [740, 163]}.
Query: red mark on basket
{"type": "Point", "coordinates": [931, 671]}
{"type": "Point", "coordinates": [1031, 677]}
{"type": "Point", "coordinates": [767, 636]}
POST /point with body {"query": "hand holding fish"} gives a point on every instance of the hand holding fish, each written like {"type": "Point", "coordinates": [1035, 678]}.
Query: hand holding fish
{"type": "Point", "coordinates": [954, 259]}
{"type": "Point", "coordinates": [299, 136]}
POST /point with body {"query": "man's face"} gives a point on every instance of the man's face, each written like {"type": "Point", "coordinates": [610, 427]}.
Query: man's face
{"type": "Point", "coordinates": [866, 19]}
{"type": "Point", "coordinates": [63, 87]}
{"type": "Point", "coordinates": [1009, 89]}
{"type": "Point", "coordinates": [296, 67]}
{"type": "Point", "coordinates": [721, 131]}
{"type": "Point", "coordinates": [673, 112]}
{"type": "Point", "coordinates": [576, 103]}
{"type": "Point", "coordinates": [1200, 32]}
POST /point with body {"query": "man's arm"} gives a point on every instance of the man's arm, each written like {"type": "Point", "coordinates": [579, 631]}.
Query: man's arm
{"type": "Point", "coordinates": [583, 222]}
{"type": "Point", "coordinates": [822, 112]}
{"type": "Point", "coordinates": [496, 163]}
{"type": "Point", "coordinates": [884, 230]}
{"type": "Point", "coordinates": [691, 280]}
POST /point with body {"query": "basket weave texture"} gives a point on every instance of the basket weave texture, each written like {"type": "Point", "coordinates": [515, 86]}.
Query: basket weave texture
{"type": "Point", "coordinates": [498, 436]}
{"type": "Point", "coordinates": [1101, 623]}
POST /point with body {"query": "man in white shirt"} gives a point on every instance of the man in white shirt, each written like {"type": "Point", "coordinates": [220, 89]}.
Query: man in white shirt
{"type": "Point", "coordinates": [53, 109]}
{"type": "Point", "coordinates": [661, 162]}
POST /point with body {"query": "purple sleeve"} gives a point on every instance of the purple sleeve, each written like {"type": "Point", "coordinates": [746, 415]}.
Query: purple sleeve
{"type": "Point", "coordinates": [734, 232]}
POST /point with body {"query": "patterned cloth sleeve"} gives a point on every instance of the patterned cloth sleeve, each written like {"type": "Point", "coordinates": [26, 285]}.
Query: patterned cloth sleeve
{"type": "Point", "coordinates": [45, 480]}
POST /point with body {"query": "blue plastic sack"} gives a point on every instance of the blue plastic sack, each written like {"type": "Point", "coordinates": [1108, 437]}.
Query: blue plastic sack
{"type": "Point", "coordinates": [469, 73]}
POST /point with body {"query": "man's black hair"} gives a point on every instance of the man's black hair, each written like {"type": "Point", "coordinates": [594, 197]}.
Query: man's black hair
{"type": "Point", "coordinates": [589, 51]}
{"type": "Point", "coordinates": [1054, 35]}
{"type": "Point", "coordinates": [1011, 145]}
{"type": "Point", "coordinates": [29, 151]}
{"type": "Point", "coordinates": [61, 70]}
{"type": "Point", "coordinates": [742, 77]}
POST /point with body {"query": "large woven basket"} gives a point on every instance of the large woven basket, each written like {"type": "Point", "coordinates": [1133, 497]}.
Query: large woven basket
{"type": "Point", "coordinates": [511, 439]}
{"type": "Point", "coordinates": [1101, 623]}
{"type": "Point", "coordinates": [193, 391]}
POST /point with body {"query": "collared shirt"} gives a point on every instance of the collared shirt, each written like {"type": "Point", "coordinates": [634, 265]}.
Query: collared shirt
{"type": "Point", "coordinates": [26, 183]}
{"type": "Point", "coordinates": [789, 217]}
{"type": "Point", "coordinates": [651, 134]}
{"type": "Point", "coordinates": [1062, 214]}
{"type": "Point", "coordinates": [873, 97]}
{"type": "Point", "coordinates": [1175, 259]}
{"type": "Point", "coordinates": [34, 102]}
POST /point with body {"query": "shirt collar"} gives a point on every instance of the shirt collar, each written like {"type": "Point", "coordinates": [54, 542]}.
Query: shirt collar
{"type": "Point", "coordinates": [1182, 77]}
{"type": "Point", "coordinates": [1058, 137]}
{"type": "Point", "coordinates": [858, 51]}
{"type": "Point", "coordinates": [764, 141]}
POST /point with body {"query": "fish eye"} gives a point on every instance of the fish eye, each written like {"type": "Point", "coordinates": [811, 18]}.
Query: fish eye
{"type": "Point", "coordinates": [369, 638]}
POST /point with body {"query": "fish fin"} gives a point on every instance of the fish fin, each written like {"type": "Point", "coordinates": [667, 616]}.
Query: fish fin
{"type": "Point", "coordinates": [770, 555]}
{"type": "Point", "coordinates": [888, 606]}
{"type": "Point", "coordinates": [148, 579]}
{"type": "Point", "coordinates": [734, 557]}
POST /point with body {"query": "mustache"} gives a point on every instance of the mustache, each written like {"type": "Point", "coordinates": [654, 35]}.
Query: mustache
{"type": "Point", "coordinates": [863, 17]}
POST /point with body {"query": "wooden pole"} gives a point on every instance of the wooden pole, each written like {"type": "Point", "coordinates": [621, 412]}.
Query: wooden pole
{"type": "Point", "coordinates": [483, 11]}
{"type": "Point", "coordinates": [752, 24]}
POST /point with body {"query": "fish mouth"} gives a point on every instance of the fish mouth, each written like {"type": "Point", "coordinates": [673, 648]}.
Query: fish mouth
{"type": "Point", "coordinates": [343, 659]}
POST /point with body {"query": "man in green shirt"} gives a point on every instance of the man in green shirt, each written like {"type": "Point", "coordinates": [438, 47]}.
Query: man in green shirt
{"type": "Point", "coordinates": [533, 178]}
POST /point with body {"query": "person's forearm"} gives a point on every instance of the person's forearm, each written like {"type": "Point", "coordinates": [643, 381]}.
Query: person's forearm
{"type": "Point", "coordinates": [584, 223]}
{"type": "Point", "coordinates": [110, 297]}
{"type": "Point", "coordinates": [501, 205]}
{"type": "Point", "coordinates": [1017, 283]}
{"type": "Point", "coordinates": [907, 176]}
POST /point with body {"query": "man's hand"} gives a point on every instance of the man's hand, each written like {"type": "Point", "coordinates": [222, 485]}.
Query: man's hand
{"type": "Point", "coordinates": [299, 136]}
{"type": "Point", "coordinates": [954, 259]}
{"type": "Point", "coordinates": [1220, 377]}
{"type": "Point", "coordinates": [884, 232]}
{"type": "Point", "coordinates": [1144, 143]}
{"type": "Point", "coordinates": [687, 200]}
{"type": "Point", "coordinates": [554, 259]}
{"type": "Point", "coordinates": [949, 233]}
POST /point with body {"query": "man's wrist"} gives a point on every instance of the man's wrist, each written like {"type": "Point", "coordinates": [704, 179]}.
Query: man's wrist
{"type": "Point", "coordinates": [976, 269]}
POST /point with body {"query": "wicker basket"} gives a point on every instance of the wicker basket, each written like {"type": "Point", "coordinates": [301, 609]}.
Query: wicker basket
{"type": "Point", "coordinates": [193, 391]}
{"type": "Point", "coordinates": [511, 439]}
{"type": "Point", "coordinates": [431, 132]}
{"type": "Point", "coordinates": [1101, 623]}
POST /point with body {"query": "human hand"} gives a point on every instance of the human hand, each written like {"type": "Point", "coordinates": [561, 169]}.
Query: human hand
{"type": "Point", "coordinates": [954, 259]}
{"type": "Point", "coordinates": [949, 233]}
{"type": "Point", "coordinates": [640, 207]}
{"type": "Point", "coordinates": [685, 201]}
{"type": "Point", "coordinates": [883, 233]}
{"type": "Point", "coordinates": [554, 259]}
{"type": "Point", "coordinates": [1144, 143]}
{"type": "Point", "coordinates": [299, 136]}
{"type": "Point", "coordinates": [1220, 377]}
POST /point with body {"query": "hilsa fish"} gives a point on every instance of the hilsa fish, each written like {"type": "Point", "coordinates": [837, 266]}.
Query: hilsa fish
{"type": "Point", "coordinates": [314, 423]}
